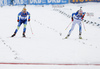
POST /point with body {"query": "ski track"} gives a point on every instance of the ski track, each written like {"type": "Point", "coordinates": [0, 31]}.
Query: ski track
{"type": "Point", "coordinates": [48, 27]}
{"type": "Point", "coordinates": [86, 21]}
{"type": "Point", "coordinates": [16, 56]}
{"type": "Point", "coordinates": [82, 41]}
{"type": "Point", "coordinates": [85, 42]}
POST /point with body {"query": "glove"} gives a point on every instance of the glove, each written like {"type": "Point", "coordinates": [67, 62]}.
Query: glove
{"type": "Point", "coordinates": [83, 16]}
{"type": "Point", "coordinates": [28, 19]}
{"type": "Point", "coordinates": [17, 20]}
{"type": "Point", "coordinates": [72, 18]}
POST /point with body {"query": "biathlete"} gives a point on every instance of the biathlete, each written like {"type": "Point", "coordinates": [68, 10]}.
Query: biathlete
{"type": "Point", "coordinates": [23, 19]}
{"type": "Point", "coordinates": [76, 19]}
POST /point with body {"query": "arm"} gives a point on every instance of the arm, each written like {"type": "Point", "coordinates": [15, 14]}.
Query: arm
{"type": "Point", "coordinates": [83, 15]}
{"type": "Point", "coordinates": [74, 14]}
{"type": "Point", "coordinates": [29, 16]}
{"type": "Point", "coordinates": [18, 16]}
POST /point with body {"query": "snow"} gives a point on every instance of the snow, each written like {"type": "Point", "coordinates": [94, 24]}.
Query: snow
{"type": "Point", "coordinates": [46, 67]}
{"type": "Point", "coordinates": [46, 44]}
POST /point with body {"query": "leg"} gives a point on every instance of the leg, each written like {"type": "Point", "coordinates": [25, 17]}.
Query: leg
{"type": "Point", "coordinates": [72, 28]}
{"type": "Point", "coordinates": [80, 30]}
{"type": "Point", "coordinates": [19, 24]}
{"type": "Point", "coordinates": [24, 30]}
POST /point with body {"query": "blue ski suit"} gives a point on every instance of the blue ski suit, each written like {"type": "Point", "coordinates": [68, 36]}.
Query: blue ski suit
{"type": "Point", "coordinates": [22, 18]}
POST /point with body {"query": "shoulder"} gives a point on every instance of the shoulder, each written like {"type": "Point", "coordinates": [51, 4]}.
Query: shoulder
{"type": "Point", "coordinates": [75, 13]}
{"type": "Point", "coordinates": [84, 13]}
{"type": "Point", "coordinates": [20, 12]}
{"type": "Point", "coordinates": [28, 13]}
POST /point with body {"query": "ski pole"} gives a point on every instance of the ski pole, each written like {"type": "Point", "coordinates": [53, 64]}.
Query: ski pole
{"type": "Point", "coordinates": [68, 25]}
{"type": "Point", "coordinates": [83, 25]}
{"type": "Point", "coordinates": [31, 28]}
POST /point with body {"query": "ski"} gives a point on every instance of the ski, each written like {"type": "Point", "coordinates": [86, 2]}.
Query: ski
{"type": "Point", "coordinates": [64, 38]}
{"type": "Point", "coordinates": [27, 37]}
{"type": "Point", "coordinates": [20, 37]}
{"type": "Point", "coordinates": [81, 39]}
{"type": "Point", "coordinates": [76, 39]}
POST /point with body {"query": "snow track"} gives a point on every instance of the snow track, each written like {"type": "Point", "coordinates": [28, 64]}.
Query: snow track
{"type": "Point", "coordinates": [45, 46]}
{"type": "Point", "coordinates": [9, 48]}
{"type": "Point", "coordinates": [86, 21]}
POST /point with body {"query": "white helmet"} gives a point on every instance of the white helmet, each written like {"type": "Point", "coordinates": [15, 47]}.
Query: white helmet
{"type": "Point", "coordinates": [80, 11]}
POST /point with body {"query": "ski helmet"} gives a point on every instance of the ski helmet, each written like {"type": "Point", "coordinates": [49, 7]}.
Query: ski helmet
{"type": "Point", "coordinates": [80, 11]}
{"type": "Point", "coordinates": [24, 9]}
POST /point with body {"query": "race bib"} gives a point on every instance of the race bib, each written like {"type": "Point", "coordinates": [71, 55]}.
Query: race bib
{"type": "Point", "coordinates": [23, 18]}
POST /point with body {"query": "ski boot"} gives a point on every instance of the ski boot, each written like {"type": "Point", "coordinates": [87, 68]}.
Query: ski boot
{"type": "Point", "coordinates": [67, 36]}
{"type": "Point", "coordinates": [24, 35]}
{"type": "Point", "coordinates": [80, 36]}
{"type": "Point", "coordinates": [13, 35]}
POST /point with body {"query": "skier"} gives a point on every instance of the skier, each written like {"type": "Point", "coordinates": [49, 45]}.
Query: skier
{"type": "Point", "coordinates": [23, 19]}
{"type": "Point", "coordinates": [76, 19]}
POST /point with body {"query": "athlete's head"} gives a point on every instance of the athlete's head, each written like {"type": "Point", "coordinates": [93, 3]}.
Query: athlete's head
{"type": "Point", "coordinates": [24, 10]}
{"type": "Point", "coordinates": [80, 11]}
